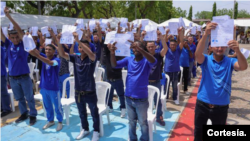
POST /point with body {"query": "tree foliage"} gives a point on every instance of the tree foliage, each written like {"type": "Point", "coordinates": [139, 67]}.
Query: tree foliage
{"type": "Point", "coordinates": [236, 10]}
{"type": "Point", "coordinates": [214, 9]}
{"type": "Point", "coordinates": [190, 14]}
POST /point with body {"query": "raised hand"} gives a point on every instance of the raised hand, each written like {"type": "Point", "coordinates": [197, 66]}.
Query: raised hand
{"type": "Point", "coordinates": [234, 45]}
{"type": "Point", "coordinates": [112, 47]}
{"type": "Point", "coordinates": [209, 27]}
{"type": "Point", "coordinates": [75, 36]}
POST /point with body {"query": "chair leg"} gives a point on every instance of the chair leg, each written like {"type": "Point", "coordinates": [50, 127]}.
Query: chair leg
{"type": "Point", "coordinates": [150, 129]}
{"type": "Point", "coordinates": [154, 126]}
{"type": "Point", "coordinates": [101, 126]}
{"type": "Point", "coordinates": [12, 102]}
{"type": "Point", "coordinates": [107, 113]}
{"type": "Point", "coordinates": [66, 109]}
{"type": "Point", "coordinates": [37, 88]}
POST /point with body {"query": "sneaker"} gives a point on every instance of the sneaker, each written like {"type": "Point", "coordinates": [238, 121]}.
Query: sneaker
{"type": "Point", "coordinates": [123, 113]}
{"type": "Point", "coordinates": [3, 114]}
{"type": "Point", "coordinates": [95, 136]}
{"type": "Point", "coordinates": [32, 120]}
{"type": "Point", "coordinates": [186, 92]}
{"type": "Point", "coordinates": [82, 134]}
{"type": "Point", "coordinates": [161, 121]}
{"type": "Point", "coordinates": [23, 117]}
{"type": "Point", "coordinates": [59, 126]}
{"type": "Point", "coordinates": [176, 102]}
{"type": "Point", "coordinates": [48, 125]}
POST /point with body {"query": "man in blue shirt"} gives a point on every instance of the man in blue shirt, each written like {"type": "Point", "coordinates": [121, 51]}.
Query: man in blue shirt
{"type": "Point", "coordinates": [139, 67]}
{"type": "Point", "coordinates": [20, 81]}
{"type": "Point", "coordinates": [191, 60]}
{"type": "Point", "coordinates": [172, 66]}
{"type": "Point", "coordinates": [49, 85]}
{"type": "Point", "coordinates": [5, 98]}
{"type": "Point", "coordinates": [213, 97]}
{"type": "Point", "coordinates": [186, 53]}
{"type": "Point", "coordinates": [85, 91]}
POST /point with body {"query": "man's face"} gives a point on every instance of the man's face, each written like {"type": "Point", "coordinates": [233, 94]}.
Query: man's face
{"type": "Point", "coordinates": [158, 36]}
{"type": "Point", "coordinates": [49, 51]}
{"type": "Point", "coordinates": [35, 39]}
{"type": "Point", "coordinates": [219, 51]}
{"type": "Point", "coordinates": [185, 43]}
{"type": "Point", "coordinates": [136, 37]}
{"type": "Point", "coordinates": [151, 47]}
{"type": "Point", "coordinates": [173, 46]}
{"type": "Point", "coordinates": [190, 40]}
{"type": "Point", "coordinates": [95, 38]}
{"type": "Point", "coordinates": [136, 53]}
{"type": "Point", "coordinates": [81, 49]}
{"type": "Point", "coordinates": [14, 38]}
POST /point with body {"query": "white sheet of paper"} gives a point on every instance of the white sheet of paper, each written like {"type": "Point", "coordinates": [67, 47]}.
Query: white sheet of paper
{"type": "Point", "coordinates": [123, 46]}
{"type": "Point", "coordinates": [48, 41]}
{"type": "Point", "coordinates": [104, 24]}
{"type": "Point", "coordinates": [28, 43]}
{"type": "Point", "coordinates": [67, 39]}
{"type": "Point", "coordinates": [11, 26]}
{"type": "Point", "coordinates": [190, 25]}
{"type": "Point", "coordinates": [92, 25]}
{"type": "Point", "coordinates": [193, 30]}
{"type": "Point", "coordinates": [68, 29]}
{"type": "Point", "coordinates": [54, 28]}
{"type": "Point", "coordinates": [223, 33]}
{"type": "Point", "coordinates": [245, 52]}
{"type": "Point", "coordinates": [44, 30]}
{"type": "Point", "coordinates": [80, 24]}
{"type": "Point", "coordinates": [5, 31]}
{"type": "Point", "coordinates": [135, 22]}
{"type": "Point", "coordinates": [224, 17]}
{"type": "Point", "coordinates": [132, 38]}
{"type": "Point", "coordinates": [124, 22]}
{"type": "Point", "coordinates": [181, 22]}
{"type": "Point", "coordinates": [3, 5]}
{"type": "Point", "coordinates": [162, 30]}
{"type": "Point", "coordinates": [80, 33]}
{"type": "Point", "coordinates": [198, 28]}
{"type": "Point", "coordinates": [151, 33]}
{"type": "Point", "coordinates": [144, 23]}
{"type": "Point", "coordinates": [134, 30]}
{"type": "Point", "coordinates": [110, 37]}
{"type": "Point", "coordinates": [173, 26]}
{"type": "Point", "coordinates": [34, 30]}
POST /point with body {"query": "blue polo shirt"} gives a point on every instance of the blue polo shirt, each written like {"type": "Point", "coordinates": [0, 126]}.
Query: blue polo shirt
{"type": "Point", "coordinates": [84, 73]}
{"type": "Point", "coordinates": [98, 47]}
{"type": "Point", "coordinates": [155, 73]}
{"type": "Point", "coordinates": [172, 60]}
{"type": "Point", "coordinates": [193, 49]}
{"type": "Point", "coordinates": [3, 68]}
{"type": "Point", "coordinates": [184, 58]}
{"type": "Point", "coordinates": [137, 78]}
{"type": "Point", "coordinates": [50, 75]}
{"type": "Point", "coordinates": [17, 58]}
{"type": "Point", "coordinates": [215, 86]}
{"type": "Point", "coordinates": [158, 47]}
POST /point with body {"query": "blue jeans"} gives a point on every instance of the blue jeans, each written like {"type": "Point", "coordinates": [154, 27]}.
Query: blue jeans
{"type": "Point", "coordinates": [23, 91]}
{"type": "Point", "coordinates": [5, 98]}
{"type": "Point", "coordinates": [159, 108]}
{"type": "Point", "coordinates": [61, 79]}
{"type": "Point", "coordinates": [173, 76]}
{"type": "Point", "coordinates": [137, 110]}
{"type": "Point", "coordinates": [119, 87]}
{"type": "Point", "coordinates": [91, 100]}
{"type": "Point", "coordinates": [52, 97]}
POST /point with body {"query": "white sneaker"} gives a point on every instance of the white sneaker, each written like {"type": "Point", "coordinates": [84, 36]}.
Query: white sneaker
{"type": "Point", "coordinates": [82, 134]}
{"type": "Point", "coordinates": [47, 125]}
{"type": "Point", "coordinates": [123, 113]}
{"type": "Point", "coordinates": [186, 92]}
{"type": "Point", "coordinates": [95, 136]}
{"type": "Point", "coordinates": [176, 102]}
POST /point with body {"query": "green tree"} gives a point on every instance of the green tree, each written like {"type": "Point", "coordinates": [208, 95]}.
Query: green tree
{"type": "Point", "coordinates": [203, 15]}
{"type": "Point", "coordinates": [190, 14]}
{"type": "Point", "coordinates": [214, 9]}
{"type": "Point", "coordinates": [178, 12]}
{"type": "Point", "coordinates": [243, 14]}
{"type": "Point", "coordinates": [236, 10]}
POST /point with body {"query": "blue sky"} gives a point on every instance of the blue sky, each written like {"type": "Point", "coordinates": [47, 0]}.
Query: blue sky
{"type": "Point", "coordinates": [203, 5]}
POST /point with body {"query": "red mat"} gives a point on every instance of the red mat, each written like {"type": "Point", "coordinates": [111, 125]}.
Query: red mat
{"type": "Point", "coordinates": [184, 129]}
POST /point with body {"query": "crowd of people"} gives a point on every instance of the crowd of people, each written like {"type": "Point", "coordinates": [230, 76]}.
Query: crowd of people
{"type": "Point", "coordinates": [145, 66]}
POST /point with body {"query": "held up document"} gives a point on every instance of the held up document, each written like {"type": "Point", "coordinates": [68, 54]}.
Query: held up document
{"type": "Point", "coordinates": [67, 34]}
{"type": "Point", "coordinates": [123, 46]}
{"type": "Point", "coordinates": [223, 33]}
{"type": "Point", "coordinates": [173, 26]}
{"type": "Point", "coordinates": [3, 5]}
{"type": "Point", "coordinates": [28, 43]}
{"type": "Point", "coordinates": [151, 33]}
{"type": "Point", "coordinates": [162, 30]}
{"type": "Point", "coordinates": [110, 37]}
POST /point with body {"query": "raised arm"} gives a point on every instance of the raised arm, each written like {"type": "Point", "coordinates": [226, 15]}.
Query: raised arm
{"type": "Point", "coordinates": [143, 33]}
{"type": "Point", "coordinates": [99, 31]}
{"type": "Point", "coordinates": [147, 55]}
{"type": "Point", "coordinates": [36, 54]}
{"type": "Point", "coordinates": [61, 51]}
{"type": "Point", "coordinates": [112, 49]}
{"type": "Point", "coordinates": [119, 30]}
{"type": "Point", "coordinates": [181, 37]}
{"type": "Point", "coordinates": [164, 44]}
{"type": "Point", "coordinates": [3, 38]}
{"type": "Point", "coordinates": [17, 27]}
{"type": "Point", "coordinates": [199, 56]}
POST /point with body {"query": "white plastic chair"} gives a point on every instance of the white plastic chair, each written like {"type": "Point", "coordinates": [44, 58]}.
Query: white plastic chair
{"type": "Point", "coordinates": [124, 76]}
{"type": "Point", "coordinates": [67, 102]}
{"type": "Point", "coordinates": [179, 85]}
{"type": "Point", "coordinates": [36, 70]}
{"type": "Point", "coordinates": [96, 66]}
{"type": "Point", "coordinates": [151, 114]}
{"type": "Point", "coordinates": [10, 92]}
{"type": "Point", "coordinates": [164, 96]}
{"type": "Point", "coordinates": [31, 67]}
{"type": "Point", "coordinates": [71, 69]}
{"type": "Point", "coordinates": [40, 98]}
{"type": "Point", "coordinates": [100, 72]}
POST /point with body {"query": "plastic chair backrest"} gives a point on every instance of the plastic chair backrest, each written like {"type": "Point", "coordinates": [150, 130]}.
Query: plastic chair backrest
{"type": "Point", "coordinates": [151, 92]}
{"type": "Point", "coordinates": [102, 89]}
{"type": "Point", "coordinates": [124, 76]}
{"type": "Point", "coordinates": [71, 81]}
{"type": "Point", "coordinates": [181, 74]}
{"type": "Point", "coordinates": [36, 64]}
{"type": "Point", "coordinates": [31, 67]}
{"type": "Point", "coordinates": [70, 65]}
{"type": "Point", "coordinates": [99, 73]}
{"type": "Point", "coordinates": [167, 83]}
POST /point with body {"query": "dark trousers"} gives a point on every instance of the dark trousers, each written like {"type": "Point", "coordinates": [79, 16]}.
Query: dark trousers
{"type": "Point", "coordinates": [218, 116]}
{"type": "Point", "coordinates": [5, 97]}
{"type": "Point", "coordinates": [185, 77]}
{"type": "Point", "coordinates": [91, 100]}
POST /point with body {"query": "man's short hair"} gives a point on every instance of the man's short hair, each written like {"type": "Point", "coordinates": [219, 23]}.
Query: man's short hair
{"type": "Point", "coordinates": [173, 40]}
{"type": "Point", "coordinates": [94, 32]}
{"type": "Point", "coordinates": [50, 45]}
{"type": "Point", "coordinates": [190, 36]}
{"type": "Point", "coordinates": [85, 42]}
{"type": "Point", "coordinates": [142, 44]}
{"type": "Point", "coordinates": [150, 42]}
{"type": "Point", "coordinates": [12, 32]}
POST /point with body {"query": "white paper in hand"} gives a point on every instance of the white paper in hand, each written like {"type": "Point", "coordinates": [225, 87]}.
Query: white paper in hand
{"type": "Point", "coordinates": [80, 33]}
{"type": "Point", "coordinates": [44, 30]}
{"type": "Point", "coordinates": [135, 22]}
{"type": "Point", "coordinates": [198, 28]}
{"type": "Point", "coordinates": [181, 22]}
{"type": "Point", "coordinates": [162, 30]}
{"type": "Point", "coordinates": [144, 23]}
{"type": "Point", "coordinates": [124, 22]}
{"type": "Point", "coordinates": [48, 41]}
{"type": "Point", "coordinates": [5, 31]}
{"type": "Point", "coordinates": [92, 25]}
{"type": "Point", "coordinates": [173, 26]}
{"type": "Point", "coordinates": [54, 28]}
{"type": "Point", "coordinates": [151, 33]}
{"type": "Point", "coordinates": [11, 26]}
{"type": "Point", "coordinates": [3, 5]}
{"type": "Point", "coordinates": [80, 24]}
{"type": "Point", "coordinates": [123, 46]}
{"type": "Point", "coordinates": [34, 30]}
{"type": "Point", "coordinates": [245, 52]}
{"type": "Point", "coordinates": [28, 43]}
{"type": "Point", "coordinates": [190, 25]}
{"type": "Point", "coordinates": [193, 30]}
{"type": "Point", "coordinates": [67, 34]}
{"type": "Point", "coordinates": [67, 39]}
{"type": "Point", "coordinates": [110, 37]}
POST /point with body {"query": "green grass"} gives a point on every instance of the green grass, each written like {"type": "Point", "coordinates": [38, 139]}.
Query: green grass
{"type": "Point", "coordinates": [248, 60]}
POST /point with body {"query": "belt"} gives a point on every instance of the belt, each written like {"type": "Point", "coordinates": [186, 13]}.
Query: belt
{"type": "Point", "coordinates": [153, 81]}
{"type": "Point", "coordinates": [83, 93]}
{"type": "Point", "coordinates": [112, 80]}
{"type": "Point", "coordinates": [134, 98]}
{"type": "Point", "coordinates": [211, 105]}
{"type": "Point", "coordinates": [19, 76]}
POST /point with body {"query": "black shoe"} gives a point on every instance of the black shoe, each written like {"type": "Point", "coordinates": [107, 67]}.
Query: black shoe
{"type": "Point", "coordinates": [23, 117]}
{"type": "Point", "coordinates": [161, 121]}
{"type": "Point", "coordinates": [32, 120]}
{"type": "Point", "coordinates": [5, 113]}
